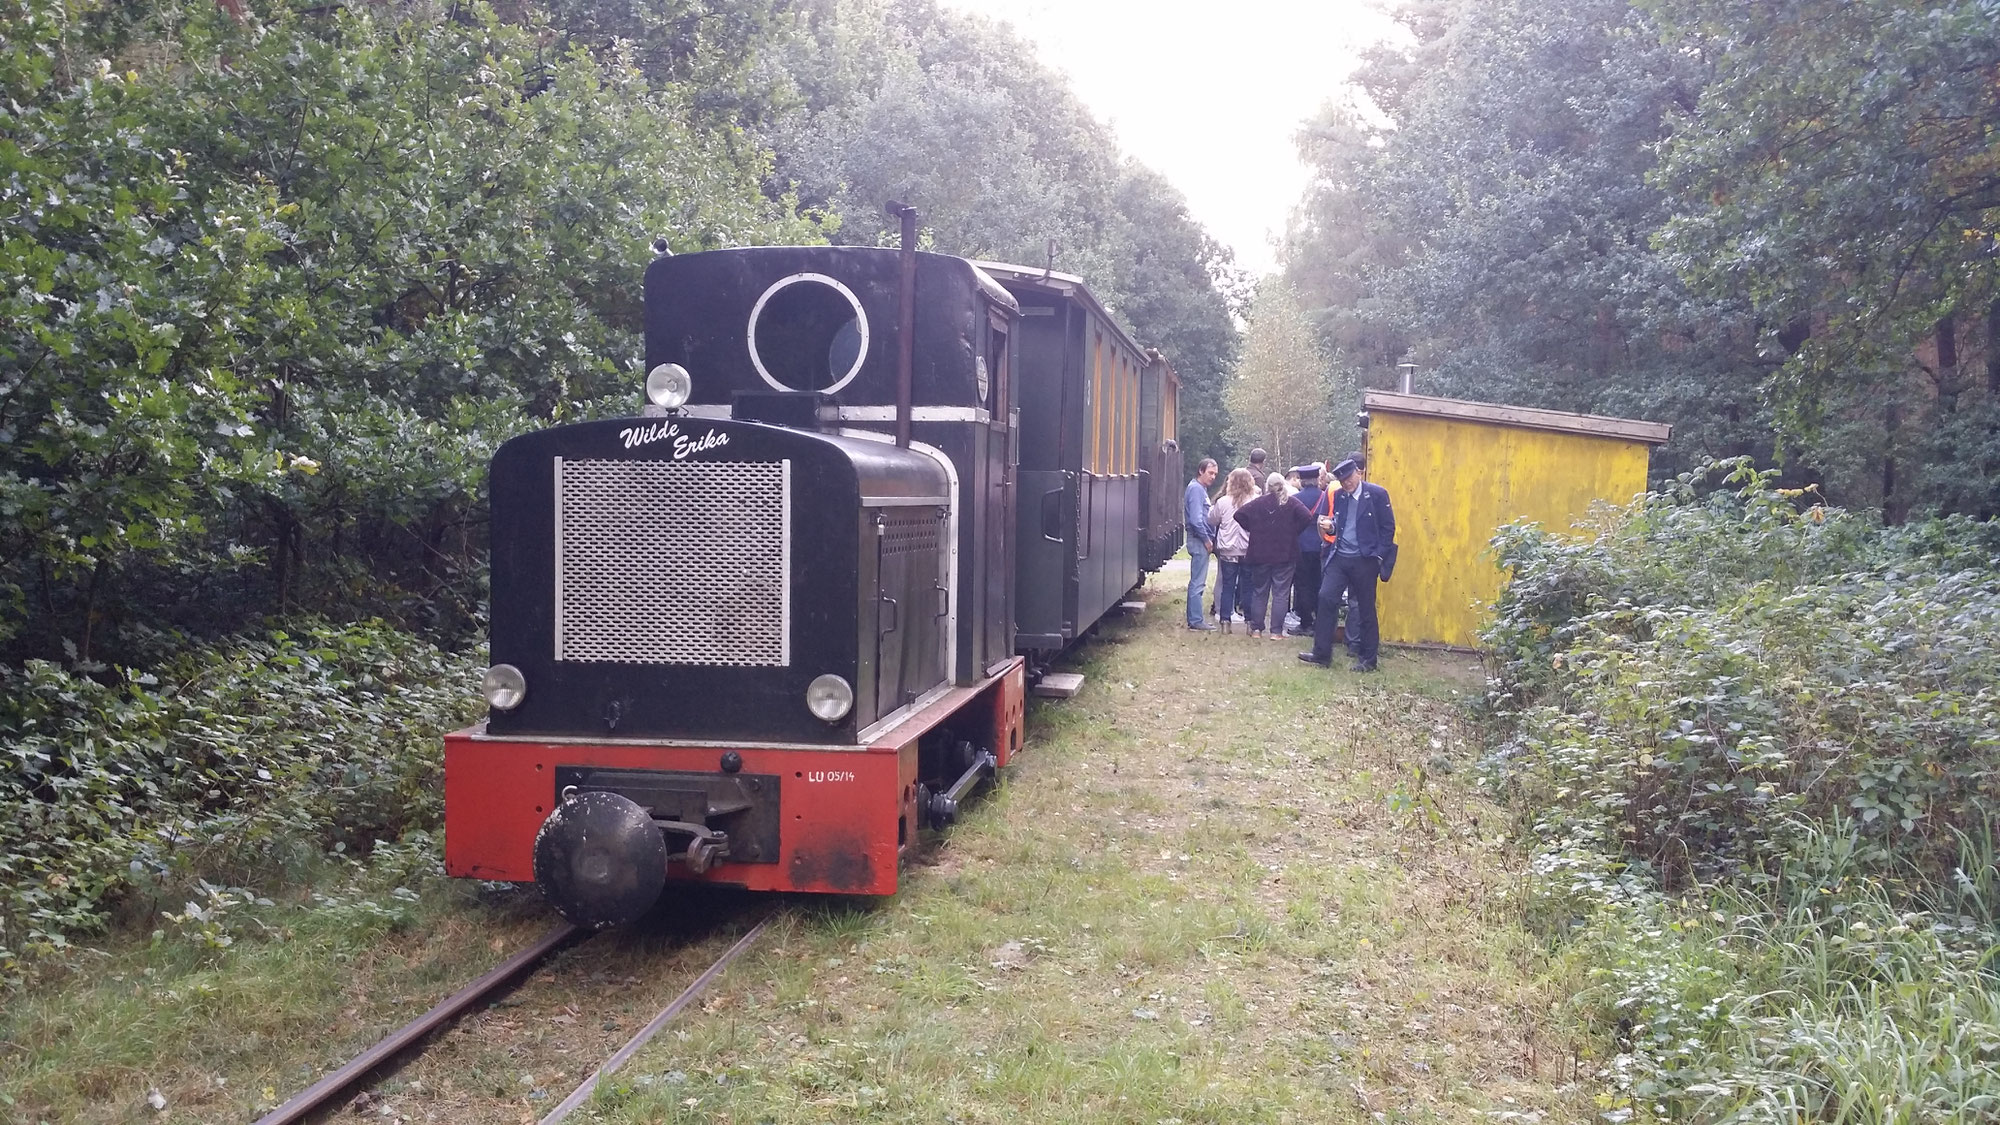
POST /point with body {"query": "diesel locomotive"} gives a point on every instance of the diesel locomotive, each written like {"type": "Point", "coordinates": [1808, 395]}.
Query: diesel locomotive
{"type": "Point", "coordinates": [769, 630]}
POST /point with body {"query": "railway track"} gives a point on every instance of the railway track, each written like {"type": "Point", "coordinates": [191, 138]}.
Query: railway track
{"type": "Point", "coordinates": [315, 1098]}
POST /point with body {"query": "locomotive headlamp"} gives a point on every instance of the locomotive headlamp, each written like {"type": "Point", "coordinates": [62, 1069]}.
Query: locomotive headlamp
{"type": "Point", "coordinates": [668, 385]}
{"type": "Point", "coordinates": [504, 687]}
{"type": "Point", "coordinates": [830, 697]}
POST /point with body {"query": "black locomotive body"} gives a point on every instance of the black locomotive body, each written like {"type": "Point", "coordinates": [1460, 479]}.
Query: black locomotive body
{"type": "Point", "coordinates": [751, 636]}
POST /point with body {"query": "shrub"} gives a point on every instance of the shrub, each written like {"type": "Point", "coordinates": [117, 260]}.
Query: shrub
{"type": "Point", "coordinates": [218, 766]}
{"type": "Point", "coordinates": [1756, 745]}
{"type": "Point", "coordinates": [1706, 673]}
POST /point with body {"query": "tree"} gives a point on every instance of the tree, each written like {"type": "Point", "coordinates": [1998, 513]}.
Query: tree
{"type": "Point", "coordinates": [1481, 209]}
{"type": "Point", "coordinates": [285, 280]}
{"type": "Point", "coordinates": [900, 99]}
{"type": "Point", "coordinates": [1841, 173]}
{"type": "Point", "coordinates": [1286, 394]}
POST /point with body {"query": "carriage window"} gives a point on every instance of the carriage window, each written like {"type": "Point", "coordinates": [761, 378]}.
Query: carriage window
{"type": "Point", "coordinates": [1102, 462]}
{"type": "Point", "coordinates": [994, 394]}
{"type": "Point", "coordinates": [808, 333]}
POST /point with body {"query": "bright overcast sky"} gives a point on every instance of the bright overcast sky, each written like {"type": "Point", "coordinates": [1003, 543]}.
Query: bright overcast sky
{"type": "Point", "coordinates": [1207, 93]}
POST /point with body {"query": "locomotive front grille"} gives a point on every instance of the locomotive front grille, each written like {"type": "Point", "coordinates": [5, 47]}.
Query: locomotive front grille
{"type": "Point", "coordinates": [673, 562]}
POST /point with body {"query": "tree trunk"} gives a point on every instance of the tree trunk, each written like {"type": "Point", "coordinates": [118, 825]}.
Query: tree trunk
{"type": "Point", "coordinates": [1891, 418]}
{"type": "Point", "coordinates": [1993, 347]}
{"type": "Point", "coordinates": [90, 610]}
{"type": "Point", "coordinates": [1947, 353]}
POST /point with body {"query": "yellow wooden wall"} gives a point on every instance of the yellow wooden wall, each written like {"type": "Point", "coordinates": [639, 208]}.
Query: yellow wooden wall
{"type": "Point", "coordinates": [1453, 484]}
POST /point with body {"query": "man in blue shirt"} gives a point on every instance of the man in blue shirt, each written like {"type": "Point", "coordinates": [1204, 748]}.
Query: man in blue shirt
{"type": "Point", "coordinates": [1363, 527]}
{"type": "Point", "coordinates": [1305, 580]}
{"type": "Point", "coordinates": [1200, 540]}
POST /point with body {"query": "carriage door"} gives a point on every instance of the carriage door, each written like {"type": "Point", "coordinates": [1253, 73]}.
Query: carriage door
{"type": "Point", "coordinates": [1002, 456]}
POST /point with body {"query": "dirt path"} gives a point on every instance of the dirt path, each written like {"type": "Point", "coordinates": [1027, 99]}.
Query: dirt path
{"type": "Point", "coordinates": [1220, 886]}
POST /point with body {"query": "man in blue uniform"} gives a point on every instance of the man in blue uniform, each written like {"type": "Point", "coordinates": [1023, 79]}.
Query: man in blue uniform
{"type": "Point", "coordinates": [1363, 527]}
{"type": "Point", "coordinates": [1305, 580]}
{"type": "Point", "coordinates": [1200, 539]}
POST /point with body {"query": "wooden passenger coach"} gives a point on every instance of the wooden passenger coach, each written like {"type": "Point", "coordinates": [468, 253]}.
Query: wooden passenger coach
{"type": "Point", "coordinates": [1100, 459]}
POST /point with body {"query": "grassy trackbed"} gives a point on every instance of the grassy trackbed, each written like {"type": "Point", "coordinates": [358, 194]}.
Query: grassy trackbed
{"type": "Point", "coordinates": [1213, 889]}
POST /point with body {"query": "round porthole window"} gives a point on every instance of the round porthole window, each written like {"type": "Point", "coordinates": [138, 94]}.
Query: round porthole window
{"type": "Point", "coordinates": [808, 333]}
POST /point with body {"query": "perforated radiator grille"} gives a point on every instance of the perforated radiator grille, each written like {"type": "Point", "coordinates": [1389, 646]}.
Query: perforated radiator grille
{"type": "Point", "coordinates": [673, 562]}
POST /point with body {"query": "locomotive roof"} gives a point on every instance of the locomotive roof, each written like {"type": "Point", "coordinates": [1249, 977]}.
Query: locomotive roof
{"type": "Point", "coordinates": [1061, 284]}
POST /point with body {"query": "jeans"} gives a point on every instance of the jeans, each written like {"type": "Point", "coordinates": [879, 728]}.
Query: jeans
{"type": "Point", "coordinates": [1305, 588]}
{"type": "Point", "coordinates": [1273, 591]}
{"type": "Point", "coordinates": [1348, 577]}
{"type": "Point", "coordinates": [1197, 578]}
{"type": "Point", "coordinates": [1233, 587]}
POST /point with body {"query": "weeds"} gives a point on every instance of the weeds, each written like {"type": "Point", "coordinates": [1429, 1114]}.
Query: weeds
{"type": "Point", "coordinates": [1756, 747]}
{"type": "Point", "coordinates": [235, 765]}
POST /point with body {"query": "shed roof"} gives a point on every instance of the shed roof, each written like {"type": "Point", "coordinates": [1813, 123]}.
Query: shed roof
{"type": "Point", "coordinates": [1524, 417]}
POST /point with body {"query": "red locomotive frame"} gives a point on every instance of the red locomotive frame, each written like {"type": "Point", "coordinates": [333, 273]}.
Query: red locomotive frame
{"type": "Point", "coordinates": [849, 812]}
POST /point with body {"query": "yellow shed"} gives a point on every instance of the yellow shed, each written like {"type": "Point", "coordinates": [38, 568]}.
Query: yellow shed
{"type": "Point", "coordinates": [1456, 471]}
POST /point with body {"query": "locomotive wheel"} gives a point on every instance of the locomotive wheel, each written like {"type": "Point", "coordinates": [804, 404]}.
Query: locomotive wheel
{"type": "Point", "coordinates": [600, 860]}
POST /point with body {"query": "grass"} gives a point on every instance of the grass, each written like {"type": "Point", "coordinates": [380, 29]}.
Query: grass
{"type": "Point", "coordinates": [1220, 886]}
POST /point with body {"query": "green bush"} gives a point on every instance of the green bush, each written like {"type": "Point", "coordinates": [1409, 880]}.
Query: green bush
{"type": "Point", "coordinates": [1707, 673]}
{"type": "Point", "coordinates": [218, 766]}
{"type": "Point", "coordinates": [280, 281]}
{"type": "Point", "coordinates": [1755, 744]}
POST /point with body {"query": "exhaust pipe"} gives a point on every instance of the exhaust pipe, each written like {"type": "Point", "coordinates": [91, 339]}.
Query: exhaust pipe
{"type": "Point", "coordinates": [907, 326]}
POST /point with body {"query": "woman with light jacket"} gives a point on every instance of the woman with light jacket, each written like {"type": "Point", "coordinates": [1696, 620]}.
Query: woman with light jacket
{"type": "Point", "coordinates": [1232, 589]}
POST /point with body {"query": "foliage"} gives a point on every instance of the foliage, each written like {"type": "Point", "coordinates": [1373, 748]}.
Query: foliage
{"type": "Point", "coordinates": [1707, 674]}
{"type": "Point", "coordinates": [216, 765]}
{"type": "Point", "coordinates": [287, 278]}
{"type": "Point", "coordinates": [1840, 173]}
{"type": "Point", "coordinates": [1286, 394]}
{"type": "Point", "coordinates": [1479, 209]}
{"type": "Point", "coordinates": [1754, 745]}
{"type": "Point", "coordinates": [1771, 225]}
{"type": "Point", "coordinates": [904, 100]}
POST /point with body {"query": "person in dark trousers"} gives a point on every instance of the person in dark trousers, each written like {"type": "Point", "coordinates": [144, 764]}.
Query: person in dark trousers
{"type": "Point", "coordinates": [1305, 580]}
{"type": "Point", "coordinates": [1364, 529]}
{"type": "Point", "coordinates": [1273, 521]}
{"type": "Point", "coordinates": [1200, 539]}
{"type": "Point", "coordinates": [1256, 469]}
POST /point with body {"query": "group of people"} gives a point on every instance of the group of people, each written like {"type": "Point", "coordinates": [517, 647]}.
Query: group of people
{"type": "Point", "coordinates": [1278, 545]}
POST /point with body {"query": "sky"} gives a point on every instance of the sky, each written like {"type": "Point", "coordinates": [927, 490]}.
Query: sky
{"type": "Point", "coordinates": [1206, 92]}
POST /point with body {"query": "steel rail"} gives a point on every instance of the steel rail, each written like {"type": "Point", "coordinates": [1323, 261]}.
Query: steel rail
{"type": "Point", "coordinates": [582, 1093]}
{"type": "Point", "coordinates": [317, 1094]}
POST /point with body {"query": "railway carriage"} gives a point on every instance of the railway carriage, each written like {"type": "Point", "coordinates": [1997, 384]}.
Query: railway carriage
{"type": "Point", "coordinates": [767, 631]}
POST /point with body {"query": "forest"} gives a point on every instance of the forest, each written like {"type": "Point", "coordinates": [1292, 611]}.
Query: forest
{"type": "Point", "coordinates": [1772, 225]}
{"type": "Point", "coordinates": [281, 275]}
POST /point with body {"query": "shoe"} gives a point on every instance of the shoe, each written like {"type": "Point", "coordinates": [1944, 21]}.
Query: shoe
{"type": "Point", "coordinates": [1309, 658]}
{"type": "Point", "coordinates": [1300, 630]}
{"type": "Point", "coordinates": [1226, 628]}
{"type": "Point", "coordinates": [1204, 627]}
{"type": "Point", "coordinates": [1363, 666]}
{"type": "Point", "coordinates": [1256, 635]}
{"type": "Point", "coordinates": [1277, 636]}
